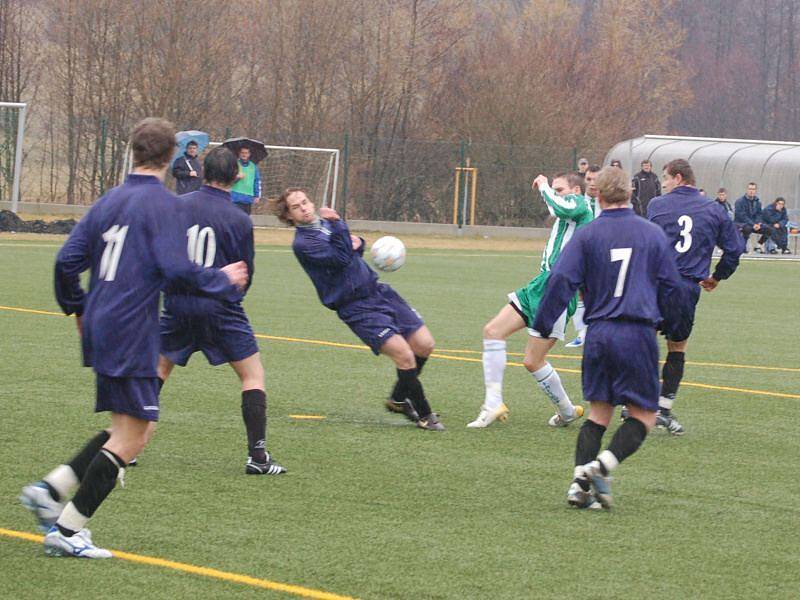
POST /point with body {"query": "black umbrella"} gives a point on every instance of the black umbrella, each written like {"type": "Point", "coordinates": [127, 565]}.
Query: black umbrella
{"type": "Point", "coordinates": [258, 151]}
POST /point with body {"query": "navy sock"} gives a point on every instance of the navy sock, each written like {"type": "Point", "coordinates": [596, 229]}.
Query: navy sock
{"type": "Point", "coordinates": [100, 479]}
{"type": "Point", "coordinates": [83, 459]}
{"type": "Point", "coordinates": [672, 373]}
{"type": "Point", "coordinates": [254, 413]}
{"type": "Point", "coordinates": [411, 388]}
{"type": "Point", "coordinates": [627, 439]}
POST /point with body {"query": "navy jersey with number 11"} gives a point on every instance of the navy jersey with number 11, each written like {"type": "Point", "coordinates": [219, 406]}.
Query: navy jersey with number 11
{"type": "Point", "coordinates": [625, 268]}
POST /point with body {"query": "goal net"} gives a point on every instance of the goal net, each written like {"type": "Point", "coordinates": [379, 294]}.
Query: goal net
{"type": "Point", "coordinates": [313, 169]}
{"type": "Point", "coordinates": [12, 131]}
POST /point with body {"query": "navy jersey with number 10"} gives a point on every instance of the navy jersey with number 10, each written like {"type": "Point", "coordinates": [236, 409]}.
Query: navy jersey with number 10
{"type": "Point", "coordinates": [625, 268]}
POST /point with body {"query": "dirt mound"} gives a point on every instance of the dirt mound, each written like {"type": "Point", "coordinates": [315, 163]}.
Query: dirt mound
{"type": "Point", "coordinates": [11, 222]}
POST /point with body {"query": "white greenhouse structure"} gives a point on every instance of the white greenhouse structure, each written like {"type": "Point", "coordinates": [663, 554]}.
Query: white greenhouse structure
{"type": "Point", "coordinates": [773, 166]}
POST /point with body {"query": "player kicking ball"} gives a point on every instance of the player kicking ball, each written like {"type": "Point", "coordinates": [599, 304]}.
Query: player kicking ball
{"type": "Point", "coordinates": [333, 259]}
{"type": "Point", "coordinates": [219, 234]}
{"type": "Point", "coordinates": [631, 282]}
{"type": "Point", "coordinates": [566, 202]}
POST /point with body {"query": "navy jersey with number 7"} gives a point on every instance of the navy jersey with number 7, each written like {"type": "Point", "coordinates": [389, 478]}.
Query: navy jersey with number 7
{"type": "Point", "coordinates": [626, 270]}
{"type": "Point", "coordinates": [134, 241]}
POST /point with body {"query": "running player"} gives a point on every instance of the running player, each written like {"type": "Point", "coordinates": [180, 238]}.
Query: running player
{"type": "Point", "coordinates": [132, 241]}
{"type": "Point", "coordinates": [219, 234]}
{"type": "Point", "coordinates": [631, 281]}
{"type": "Point", "coordinates": [333, 259]}
{"type": "Point", "coordinates": [694, 225]}
{"type": "Point", "coordinates": [566, 202]}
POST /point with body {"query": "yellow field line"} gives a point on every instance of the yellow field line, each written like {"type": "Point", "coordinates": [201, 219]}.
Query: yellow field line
{"type": "Point", "coordinates": [476, 360]}
{"type": "Point", "coordinates": [266, 584]}
{"type": "Point", "coordinates": [309, 417]}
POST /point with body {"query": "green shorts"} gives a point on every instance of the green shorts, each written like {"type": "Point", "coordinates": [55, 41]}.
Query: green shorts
{"type": "Point", "coordinates": [526, 300]}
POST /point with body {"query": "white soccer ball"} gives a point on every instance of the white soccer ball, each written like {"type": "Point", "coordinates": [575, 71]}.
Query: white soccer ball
{"type": "Point", "coordinates": [388, 253]}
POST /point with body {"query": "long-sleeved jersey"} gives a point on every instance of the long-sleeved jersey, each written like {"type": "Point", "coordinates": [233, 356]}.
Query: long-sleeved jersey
{"type": "Point", "coordinates": [571, 212]}
{"type": "Point", "coordinates": [134, 242]}
{"type": "Point", "coordinates": [695, 224]}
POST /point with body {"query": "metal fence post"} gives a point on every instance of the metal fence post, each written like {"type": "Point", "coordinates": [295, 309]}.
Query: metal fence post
{"type": "Point", "coordinates": [345, 172]}
{"type": "Point", "coordinates": [103, 137]}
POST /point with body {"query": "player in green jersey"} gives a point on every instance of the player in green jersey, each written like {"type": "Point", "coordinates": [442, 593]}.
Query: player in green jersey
{"type": "Point", "coordinates": [566, 202]}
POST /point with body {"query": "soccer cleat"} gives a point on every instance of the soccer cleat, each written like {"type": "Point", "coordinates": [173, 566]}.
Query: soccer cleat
{"type": "Point", "coordinates": [576, 343]}
{"type": "Point", "coordinates": [670, 423]}
{"type": "Point", "coordinates": [37, 499]}
{"type": "Point", "coordinates": [269, 467]}
{"type": "Point", "coordinates": [431, 423]}
{"type": "Point", "coordinates": [624, 413]}
{"type": "Point", "coordinates": [580, 498]}
{"type": "Point", "coordinates": [404, 408]}
{"type": "Point", "coordinates": [79, 545]}
{"type": "Point", "coordinates": [786, 251]}
{"type": "Point", "coordinates": [558, 421]}
{"type": "Point", "coordinates": [487, 416]}
{"type": "Point", "coordinates": [601, 484]}
{"type": "Point", "coordinates": [134, 461]}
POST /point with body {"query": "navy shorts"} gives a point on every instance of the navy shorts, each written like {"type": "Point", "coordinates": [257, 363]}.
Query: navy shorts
{"type": "Point", "coordinates": [223, 335]}
{"type": "Point", "coordinates": [620, 364]}
{"type": "Point", "coordinates": [380, 316]}
{"type": "Point", "coordinates": [691, 293]}
{"type": "Point", "coordinates": [134, 396]}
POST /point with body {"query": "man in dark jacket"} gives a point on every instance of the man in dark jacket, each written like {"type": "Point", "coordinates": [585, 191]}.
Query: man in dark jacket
{"type": "Point", "coordinates": [747, 217]}
{"type": "Point", "coordinates": [187, 170]}
{"type": "Point", "coordinates": [776, 217]}
{"type": "Point", "coordinates": [646, 186]}
{"type": "Point", "coordinates": [722, 199]}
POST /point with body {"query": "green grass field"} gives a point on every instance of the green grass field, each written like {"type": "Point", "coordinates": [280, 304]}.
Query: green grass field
{"type": "Point", "coordinates": [375, 508]}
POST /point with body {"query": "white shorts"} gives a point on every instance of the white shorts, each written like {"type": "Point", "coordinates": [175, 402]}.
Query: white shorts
{"type": "Point", "coordinates": [559, 327]}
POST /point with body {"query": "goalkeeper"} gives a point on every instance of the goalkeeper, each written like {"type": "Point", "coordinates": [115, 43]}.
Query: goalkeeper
{"type": "Point", "coordinates": [565, 200]}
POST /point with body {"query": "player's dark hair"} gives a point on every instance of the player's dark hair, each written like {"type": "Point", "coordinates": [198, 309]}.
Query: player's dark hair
{"type": "Point", "coordinates": [152, 142]}
{"type": "Point", "coordinates": [574, 179]}
{"type": "Point", "coordinates": [646, 161]}
{"type": "Point", "coordinates": [191, 143]}
{"type": "Point", "coordinates": [753, 183]}
{"type": "Point", "coordinates": [680, 166]}
{"type": "Point", "coordinates": [720, 190]}
{"type": "Point", "coordinates": [780, 199]}
{"type": "Point", "coordinates": [220, 166]}
{"type": "Point", "coordinates": [615, 162]}
{"type": "Point", "coordinates": [280, 207]}
{"type": "Point", "coordinates": [594, 169]}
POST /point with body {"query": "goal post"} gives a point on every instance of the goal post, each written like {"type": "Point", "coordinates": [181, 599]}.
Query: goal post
{"type": "Point", "coordinates": [313, 169]}
{"type": "Point", "coordinates": [12, 132]}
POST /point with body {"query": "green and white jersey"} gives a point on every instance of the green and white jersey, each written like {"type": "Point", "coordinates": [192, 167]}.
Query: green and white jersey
{"type": "Point", "coordinates": [595, 204]}
{"type": "Point", "coordinates": [571, 211]}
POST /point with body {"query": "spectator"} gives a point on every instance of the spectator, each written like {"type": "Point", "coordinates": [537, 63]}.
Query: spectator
{"type": "Point", "coordinates": [646, 186]}
{"type": "Point", "coordinates": [247, 188]}
{"type": "Point", "coordinates": [187, 170]}
{"type": "Point", "coordinates": [583, 166]}
{"type": "Point", "coordinates": [775, 215]}
{"type": "Point", "coordinates": [747, 216]}
{"type": "Point", "coordinates": [615, 162]}
{"type": "Point", "coordinates": [722, 198]}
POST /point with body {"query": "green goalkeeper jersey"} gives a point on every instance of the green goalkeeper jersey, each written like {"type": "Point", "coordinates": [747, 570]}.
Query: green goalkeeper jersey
{"type": "Point", "coordinates": [571, 211]}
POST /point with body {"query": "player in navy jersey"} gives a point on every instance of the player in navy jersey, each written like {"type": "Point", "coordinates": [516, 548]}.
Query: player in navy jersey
{"type": "Point", "coordinates": [694, 224]}
{"type": "Point", "coordinates": [219, 234]}
{"type": "Point", "coordinates": [333, 259]}
{"type": "Point", "coordinates": [132, 241]}
{"type": "Point", "coordinates": [631, 284]}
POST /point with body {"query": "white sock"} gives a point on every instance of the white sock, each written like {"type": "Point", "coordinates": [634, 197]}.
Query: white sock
{"type": "Point", "coordinates": [577, 319]}
{"type": "Point", "coordinates": [494, 365]}
{"type": "Point", "coordinates": [71, 519]}
{"type": "Point", "coordinates": [63, 480]}
{"type": "Point", "coordinates": [608, 460]}
{"type": "Point", "coordinates": [550, 382]}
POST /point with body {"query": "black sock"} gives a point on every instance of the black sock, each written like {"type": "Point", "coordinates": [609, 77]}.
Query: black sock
{"type": "Point", "coordinates": [411, 388]}
{"type": "Point", "coordinates": [590, 437]}
{"type": "Point", "coordinates": [254, 413]}
{"type": "Point", "coordinates": [100, 479]}
{"type": "Point", "coordinates": [396, 395]}
{"type": "Point", "coordinates": [161, 383]}
{"type": "Point", "coordinates": [83, 459]}
{"type": "Point", "coordinates": [671, 374]}
{"type": "Point", "coordinates": [627, 439]}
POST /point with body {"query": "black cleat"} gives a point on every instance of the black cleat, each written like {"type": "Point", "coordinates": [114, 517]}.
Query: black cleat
{"type": "Point", "coordinates": [404, 408]}
{"type": "Point", "coordinates": [270, 467]}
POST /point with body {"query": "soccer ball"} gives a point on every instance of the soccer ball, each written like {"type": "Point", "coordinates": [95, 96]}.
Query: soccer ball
{"type": "Point", "coordinates": [388, 253]}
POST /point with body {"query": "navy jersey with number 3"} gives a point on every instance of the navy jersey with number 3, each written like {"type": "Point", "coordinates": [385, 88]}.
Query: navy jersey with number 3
{"type": "Point", "coordinates": [134, 241]}
{"type": "Point", "coordinates": [625, 267]}
{"type": "Point", "coordinates": [695, 224]}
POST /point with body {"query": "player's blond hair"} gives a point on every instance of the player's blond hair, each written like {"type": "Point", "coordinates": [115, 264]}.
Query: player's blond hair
{"type": "Point", "coordinates": [613, 185]}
